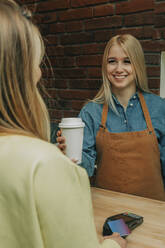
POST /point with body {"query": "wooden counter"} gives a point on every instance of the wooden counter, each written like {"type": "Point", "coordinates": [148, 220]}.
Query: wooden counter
{"type": "Point", "coordinates": [150, 234]}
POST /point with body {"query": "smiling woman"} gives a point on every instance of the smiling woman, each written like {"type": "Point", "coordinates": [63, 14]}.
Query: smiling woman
{"type": "Point", "coordinates": [125, 125]}
{"type": "Point", "coordinates": [120, 73]}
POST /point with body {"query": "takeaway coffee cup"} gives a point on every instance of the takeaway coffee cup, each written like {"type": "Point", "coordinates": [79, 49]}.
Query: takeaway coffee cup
{"type": "Point", "coordinates": [72, 130]}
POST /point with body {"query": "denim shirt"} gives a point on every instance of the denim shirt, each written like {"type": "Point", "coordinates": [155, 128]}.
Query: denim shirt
{"type": "Point", "coordinates": [129, 120]}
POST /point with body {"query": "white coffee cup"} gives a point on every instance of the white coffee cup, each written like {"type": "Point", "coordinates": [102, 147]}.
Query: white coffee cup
{"type": "Point", "coordinates": [72, 130]}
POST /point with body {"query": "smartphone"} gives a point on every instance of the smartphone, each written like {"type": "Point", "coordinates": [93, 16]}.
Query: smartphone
{"type": "Point", "coordinates": [118, 226]}
{"type": "Point", "coordinates": [122, 223]}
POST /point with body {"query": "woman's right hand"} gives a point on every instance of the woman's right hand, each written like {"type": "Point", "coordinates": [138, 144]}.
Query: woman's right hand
{"type": "Point", "coordinates": [61, 141]}
{"type": "Point", "coordinates": [61, 144]}
{"type": "Point", "coordinates": [116, 237]}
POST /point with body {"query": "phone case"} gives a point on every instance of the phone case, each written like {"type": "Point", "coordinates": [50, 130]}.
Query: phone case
{"type": "Point", "coordinates": [132, 221]}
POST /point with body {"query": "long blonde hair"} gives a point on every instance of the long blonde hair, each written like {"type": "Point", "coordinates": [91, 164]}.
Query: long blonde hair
{"type": "Point", "coordinates": [133, 49]}
{"type": "Point", "coordinates": [22, 110]}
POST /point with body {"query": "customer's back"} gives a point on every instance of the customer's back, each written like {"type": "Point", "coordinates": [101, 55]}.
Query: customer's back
{"type": "Point", "coordinates": [44, 197]}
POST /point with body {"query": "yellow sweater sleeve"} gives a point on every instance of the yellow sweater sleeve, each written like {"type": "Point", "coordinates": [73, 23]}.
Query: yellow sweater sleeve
{"type": "Point", "coordinates": [63, 203]}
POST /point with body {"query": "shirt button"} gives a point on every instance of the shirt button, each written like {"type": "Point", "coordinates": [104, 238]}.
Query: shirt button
{"type": "Point", "coordinates": [134, 97]}
{"type": "Point", "coordinates": [131, 104]}
{"type": "Point", "coordinates": [125, 121]}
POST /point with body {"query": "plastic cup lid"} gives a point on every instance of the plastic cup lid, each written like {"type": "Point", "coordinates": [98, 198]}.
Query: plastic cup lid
{"type": "Point", "coordinates": [71, 123]}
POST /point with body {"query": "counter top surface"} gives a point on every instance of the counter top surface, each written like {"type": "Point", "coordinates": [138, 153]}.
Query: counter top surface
{"type": "Point", "coordinates": [150, 234]}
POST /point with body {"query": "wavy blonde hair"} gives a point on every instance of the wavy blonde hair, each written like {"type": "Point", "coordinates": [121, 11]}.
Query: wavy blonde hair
{"type": "Point", "coordinates": [22, 110]}
{"type": "Point", "coordinates": [134, 51]}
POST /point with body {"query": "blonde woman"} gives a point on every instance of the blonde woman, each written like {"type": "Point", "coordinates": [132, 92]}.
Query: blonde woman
{"type": "Point", "coordinates": [124, 131]}
{"type": "Point", "coordinates": [125, 125]}
{"type": "Point", "coordinates": [44, 197]}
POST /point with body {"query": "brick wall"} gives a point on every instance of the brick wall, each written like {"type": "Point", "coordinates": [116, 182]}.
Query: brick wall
{"type": "Point", "coordinates": [76, 32]}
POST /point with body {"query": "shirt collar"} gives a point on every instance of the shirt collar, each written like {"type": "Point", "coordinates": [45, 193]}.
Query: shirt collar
{"type": "Point", "coordinates": [134, 96]}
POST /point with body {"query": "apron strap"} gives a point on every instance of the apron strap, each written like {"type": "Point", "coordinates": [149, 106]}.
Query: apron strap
{"type": "Point", "coordinates": [145, 112]}
{"type": "Point", "coordinates": [148, 119]}
{"type": "Point", "coordinates": [104, 115]}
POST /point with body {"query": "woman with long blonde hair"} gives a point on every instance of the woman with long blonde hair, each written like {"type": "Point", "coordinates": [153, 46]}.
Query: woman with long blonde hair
{"type": "Point", "coordinates": [44, 198]}
{"type": "Point", "coordinates": [124, 131]}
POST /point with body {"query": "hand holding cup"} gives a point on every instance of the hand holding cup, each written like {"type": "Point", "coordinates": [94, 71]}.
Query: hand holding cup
{"type": "Point", "coordinates": [72, 141]}
{"type": "Point", "coordinates": [61, 143]}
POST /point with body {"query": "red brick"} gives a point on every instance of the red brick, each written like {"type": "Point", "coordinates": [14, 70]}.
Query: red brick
{"type": "Point", "coordinates": [159, 20]}
{"type": "Point", "coordinates": [52, 93]}
{"type": "Point", "coordinates": [60, 84]}
{"type": "Point", "coordinates": [104, 35]}
{"type": "Point", "coordinates": [154, 83]}
{"type": "Point", "coordinates": [57, 28]}
{"type": "Point", "coordinates": [104, 22]}
{"type": "Point", "coordinates": [53, 5]}
{"type": "Point", "coordinates": [92, 48]}
{"type": "Point", "coordinates": [62, 61]}
{"type": "Point", "coordinates": [134, 6]}
{"type": "Point", "coordinates": [94, 72]}
{"type": "Point", "coordinates": [163, 33]}
{"type": "Point", "coordinates": [70, 73]}
{"type": "Point", "coordinates": [74, 26]}
{"type": "Point", "coordinates": [51, 39]}
{"type": "Point", "coordinates": [73, 50]}
{"type": "Point", "coordinates": [80, 3]}
{"type": "Point", "coordinates": [62, 104]}
{"type": "Point", "coordinates": [51, 51]}
{"type": "Point", "coordinates": [77, 105]}
{"type": "Point", "coordinates": [153, 46]}
{"type": "Point", "coordinates": [152, 59]}
{"type": "Point", "coordinates": [45, 28]}
{"type": "Point", "coordinates": [139, 19]}
{"type": "Point", "coordinates": [157, 34]}
{"type": "Point", "coordinates": [49, 83]}
{"type": "Point", "coordinates": [139, 33]}
{"type": "Point", "coordinates": [38, 18]}
{"type": "Point", "coordinates": [84, 84]}
{"type": "Point", "coordinates": [89, 60]}
{"type": "Point", "coordinates": [153, 71]}
{"type": "Point", "coordinates": [52, 103]}
{"type": "Point", "coordinates": [103, 10]}
{"type": "Point", "coordinates": [47, 73]}
{"type": "Point", "coordinates": [75, 14]}
{"type": "Point", "coordinates": [95, 48]}
{"type": "Point", "coordinates": [55, 50]}
{"type": "Point", "coordinates": [76, 38]}
{"type": "Point", "coordinates": [48, 17]}
{"type": "Point", "coordinates": [77, 94]}
{"type": "Point", "coordinates": [55, 114]}
{"type": "Point", "coordinates": [70, 113]}
{"type": "Point", "coordinates": [148, 32]}
{"type": "Point", "coordinates": [160, 7]}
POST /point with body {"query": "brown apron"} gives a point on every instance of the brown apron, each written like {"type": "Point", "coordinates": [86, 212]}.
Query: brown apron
{"type": "Point", "coordinates": [129, 162]}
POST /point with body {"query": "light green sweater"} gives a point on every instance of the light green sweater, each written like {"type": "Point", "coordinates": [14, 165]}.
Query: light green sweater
{"type": "Point", "coordinates": [45, 199]}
